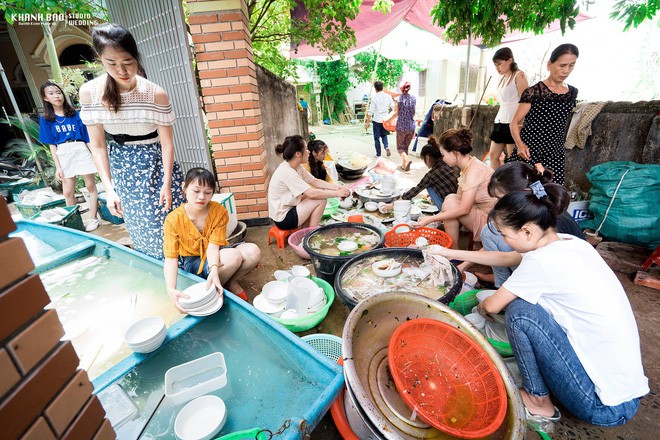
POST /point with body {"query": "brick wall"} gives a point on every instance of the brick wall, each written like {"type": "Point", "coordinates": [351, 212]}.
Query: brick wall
{"type": "Point", "coordinates": [221, 35]}
{"type": "Point", "coordinates": [43, 395]}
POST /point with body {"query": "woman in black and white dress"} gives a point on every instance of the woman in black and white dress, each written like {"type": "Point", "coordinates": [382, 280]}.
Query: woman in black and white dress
{"type": "Point", "coordinates": [546, 107]}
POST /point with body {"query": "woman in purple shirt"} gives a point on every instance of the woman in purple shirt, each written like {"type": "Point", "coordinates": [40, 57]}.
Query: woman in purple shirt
{"type": "Point", "coordinates": [405, 124]}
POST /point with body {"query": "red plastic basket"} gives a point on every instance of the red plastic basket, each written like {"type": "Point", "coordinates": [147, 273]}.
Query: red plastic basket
{"type": "Point", "coordinates": [447, 378]}
{"type": "Point", "coordinates": [405, 239]}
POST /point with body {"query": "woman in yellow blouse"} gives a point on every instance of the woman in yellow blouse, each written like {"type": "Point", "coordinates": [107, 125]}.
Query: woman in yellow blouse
{"type": "Point", "coordinates": [318, 152]}
{"type": "Point", "coordinates": [197, 232]}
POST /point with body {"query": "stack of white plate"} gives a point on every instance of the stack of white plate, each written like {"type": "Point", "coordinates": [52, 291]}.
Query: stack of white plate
{"type": "Point", "coordinates": [201, 301]}
{"type": "Point", "coordinates": [272, 298]}
{"type": "Point", "coordinates": [146, 335]}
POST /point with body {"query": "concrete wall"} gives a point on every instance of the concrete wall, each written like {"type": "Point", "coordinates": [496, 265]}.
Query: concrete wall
{"type": "Point", "coordinates": [279, 113]}
{"type": "Point", "coordinates": [622, 131]}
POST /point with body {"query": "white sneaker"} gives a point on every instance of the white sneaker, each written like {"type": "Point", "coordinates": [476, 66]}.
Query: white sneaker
{"type": "Point", "coordinates": [92, 224]}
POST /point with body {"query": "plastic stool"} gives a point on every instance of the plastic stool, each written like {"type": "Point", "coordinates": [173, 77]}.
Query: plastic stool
{"type": "Point", "coordinates": [653, 259]}
{"type": "Point", "coordinates": [279, 235]}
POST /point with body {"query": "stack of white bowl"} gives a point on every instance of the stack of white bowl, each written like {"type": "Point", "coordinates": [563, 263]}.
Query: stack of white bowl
{"type": "Point", "coordinates": [146, 335]}
{"type": "Point", "coordinates": [296, 297]}
{"type": "Point", "coordinates": [201, 301]}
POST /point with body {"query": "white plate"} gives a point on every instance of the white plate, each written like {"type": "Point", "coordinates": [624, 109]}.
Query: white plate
{"type": "Point", "coordinates": [201, 419]}
{"type": "Point", "coordinates": [209, 311]}
{"type": "Point", "coordinates": [429, 209]}
{"type": "Point", "coordinates": [198, 293]}
{"type": "Point", "coordinates": [208, 305]}
{"type": "Point", "coordinates": [262, 304]}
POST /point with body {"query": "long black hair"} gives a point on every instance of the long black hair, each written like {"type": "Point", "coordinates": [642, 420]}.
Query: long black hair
{"type": "Point", "coordinates": [119, 38]}
{"type": "Point", "coordinates": [540, 206]}
{"type": "Point", "coordinates": [506, 54]}
{"type": "Point", "coordinates": [431, 151]}
{"type": "Point", "coordinates": [316, 167]}
{"type": "Point", "coordinates": [515, 176]}
{"type": "Point", "coordinates": [291, 146]}
{"type": "Point", "coordinates": [49, 111]}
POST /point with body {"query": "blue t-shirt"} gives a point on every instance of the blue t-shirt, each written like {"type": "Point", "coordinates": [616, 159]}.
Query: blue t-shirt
{"type": "Point", "coordinates": [55, 132]}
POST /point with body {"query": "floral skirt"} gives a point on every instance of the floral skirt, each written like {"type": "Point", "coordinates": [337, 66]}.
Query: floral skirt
{"type": "Point", "coordinates": [137, 176]}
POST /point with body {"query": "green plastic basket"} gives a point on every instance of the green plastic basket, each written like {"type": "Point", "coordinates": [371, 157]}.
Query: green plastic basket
{"type": "Point", "coordinates": [327, 345]}
{"type": "Point", "coordinates": [310, 321]}
{"type": "Point", "coordinates": [72, 220]}
{"type": "Point", "coordinates": [331, 207]}
{"type": "Point", "coordinates": [465, 302]}
{"type": "Point", "coordinates": [13, 188]}
{"type": "Point", "coordinates": [29, 211]}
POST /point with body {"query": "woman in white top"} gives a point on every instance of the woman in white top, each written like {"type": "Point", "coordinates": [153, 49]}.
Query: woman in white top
{"type": "Point", "coordinates": [296, 199]}
{"type": "Point", "coordinates": [512, 84]}
{"type": "Point", "coordinates": [571, 327]}
{"type": "Point", "coordinates": [134, 115]}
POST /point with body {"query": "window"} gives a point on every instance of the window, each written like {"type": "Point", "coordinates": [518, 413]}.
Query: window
{"type": "Point", "coordinates": [422, 82]}
{"type": "Point", "coordinates": [472, 86]}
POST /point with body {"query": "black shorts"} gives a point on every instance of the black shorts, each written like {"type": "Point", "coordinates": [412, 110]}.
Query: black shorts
{"type": "Point", "coordinates": [501, 134]}
{"type": "Point", "coordinates": [290, 220]}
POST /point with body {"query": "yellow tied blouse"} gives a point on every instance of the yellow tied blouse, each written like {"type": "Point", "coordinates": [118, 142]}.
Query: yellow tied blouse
{"type": "Point", "coordinates": [182, 238]}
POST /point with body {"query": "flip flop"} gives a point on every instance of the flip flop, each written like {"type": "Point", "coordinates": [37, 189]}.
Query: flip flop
{"type": "Point", "coordinates": [542, 423]}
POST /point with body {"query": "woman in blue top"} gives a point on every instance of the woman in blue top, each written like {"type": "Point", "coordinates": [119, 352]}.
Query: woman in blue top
{"type": "Point", "coordinates": [61, 128]}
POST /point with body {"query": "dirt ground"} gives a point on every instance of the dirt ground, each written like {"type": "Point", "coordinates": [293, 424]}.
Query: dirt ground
{"type": "Point", "coordinates": [645, 303]}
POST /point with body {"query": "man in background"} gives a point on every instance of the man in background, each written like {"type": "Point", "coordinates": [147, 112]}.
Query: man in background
{"type": "Point", "coordinates": [381, 105]}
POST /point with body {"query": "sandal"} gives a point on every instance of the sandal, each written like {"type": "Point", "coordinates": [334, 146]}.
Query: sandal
{"type": "Point", "coordinates": [408, 165]}
{"type": "Point", "coordinates": [542, 423]}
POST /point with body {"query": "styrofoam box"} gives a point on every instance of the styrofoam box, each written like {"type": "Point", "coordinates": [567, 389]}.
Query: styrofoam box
{"type": "Point", "coordinates": [229, 202]}
{"type": "Point", "coordinates": [579, 210]}
{"type": "Point", "coordinates": [196, 378]}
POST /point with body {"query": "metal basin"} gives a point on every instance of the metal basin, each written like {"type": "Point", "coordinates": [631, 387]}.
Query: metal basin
{"type": "Point", "coordinates": [399, 254]}
{"type": "Point", "coordinates": [367, 333]}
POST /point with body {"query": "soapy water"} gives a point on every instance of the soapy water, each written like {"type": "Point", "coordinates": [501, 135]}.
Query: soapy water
{"type": "Point", "coordinates": [267, 384]}
{"type": "Point", "coordinates": [97, 299]}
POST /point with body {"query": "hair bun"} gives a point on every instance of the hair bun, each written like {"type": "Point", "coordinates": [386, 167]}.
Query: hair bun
{"type": "Point", "coordinates": [465, 135]}
{"type": "Point", "coordinates": [433, 141]}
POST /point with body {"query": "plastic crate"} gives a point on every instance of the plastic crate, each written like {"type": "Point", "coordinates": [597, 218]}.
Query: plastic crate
{"type": "Point", "coordinates": [105, 213]}
{"type": "Point", "coordinates": [408, 236]}
{"type": "Point", "coordinates": [71, 220]}
{"type": "Point", "coordinates": [30, 211]}
{"type": "Point", "coordinates": [13, 188]}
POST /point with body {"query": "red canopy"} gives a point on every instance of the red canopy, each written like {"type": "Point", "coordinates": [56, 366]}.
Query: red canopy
{"type": "Point", "coordinates": [370, 26]}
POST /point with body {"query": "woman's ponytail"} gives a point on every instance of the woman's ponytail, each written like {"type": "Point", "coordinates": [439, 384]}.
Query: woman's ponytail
{"type": "Point", "coordinates": [540, 204]}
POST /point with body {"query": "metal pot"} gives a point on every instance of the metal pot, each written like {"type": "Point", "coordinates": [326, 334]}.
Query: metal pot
{"type": "Point", "coordinates": [367, 332]}
{"type": "Point", "coordinates": [350, 173]}
{"type": "Point", "coordinates": [396, 253]}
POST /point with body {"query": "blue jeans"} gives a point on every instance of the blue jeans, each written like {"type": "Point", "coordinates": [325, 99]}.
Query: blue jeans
{"type": "Point", "coordinates": [379, 133]}
{"type": "Point", "coordinates": [493, 241]}
{"type": "Point", "coordinates": [191, 265]}
{"type": "Point", "coordinates": [437, 200]}
{"type": "Point", "coordinates": [548, 364]}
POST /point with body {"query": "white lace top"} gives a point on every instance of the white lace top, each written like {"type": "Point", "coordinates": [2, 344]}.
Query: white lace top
{"type": "Point", "coordinates": [138, 114]}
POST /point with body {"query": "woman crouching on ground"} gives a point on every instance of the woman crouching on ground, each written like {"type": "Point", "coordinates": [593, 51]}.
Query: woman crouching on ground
{"type": "Point", "coordinates": [197, 231]}
{"type": "Point", "coordinates": [296, 199]}
{"type": "Point", "coordinates": [471, 203]}
{"type": "Point", "coordinates": [571, 327]}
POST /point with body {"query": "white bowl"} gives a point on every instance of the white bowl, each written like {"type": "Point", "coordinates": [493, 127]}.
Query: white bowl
{"type": "Point", "coordinates": [470, 279]}
{"type": "Point", "coordinates": [290, 314]}
{"type": "Point", "coordinates": [275, 292]}
{"type": "Point", "coordinates": [477, 320]}
{"type": "Point", "coordinates": [347, 246]}
{"type": "Point", "coordinates": [347, 203]}
{"type": "Point", "coordinates": [481, 296]}
{"type": "Point", "coordinates": [300, 271]}
{"type": "Point", "coordinates": [386, 268]}
{"type": "Point", "coordinates": [262, 304]}
{"type": "Point", "coordinates": [201, 419]}
{"type": "Point", "coordinates": [145, 331]}
{"type": "Point", "coordinates": [371, 206]}
{"type": "Point", "coordinates": [282, 275]}
{"type": "Point", "coordinates": [199, 295]}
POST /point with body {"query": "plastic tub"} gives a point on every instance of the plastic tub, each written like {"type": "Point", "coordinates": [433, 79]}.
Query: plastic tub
{"type": "Point", "coordinates": [295, 241]}
{"type": "Point", "coordinates": [465, 302]}
{"type": "Point", "coordinates": [331, 207]}
{"type": "Point", "coordinates": [395, 253]}
{"type": "Point", "coordinates": [403, 236]}
{"type": "Point", "coordinates": [105, 213]}
{"type": "Point", "coordinates": [326, 266]}
{"type": "Point", "coordinates": [303, 323]}
{"type": "Point", "coordinates": [196, 378]}
{"type": "Point", "coordinates": [30, 211]}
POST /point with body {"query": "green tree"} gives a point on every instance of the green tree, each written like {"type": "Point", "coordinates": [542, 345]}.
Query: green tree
{"type": "Point", "coordinates": [633, 12]}
{"type": "Point", "coordinates": [333, 77]}
{"type": "Point", "coordinates": [388, 71]}
{"type": "Point", "coordinates": [490, 20]}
